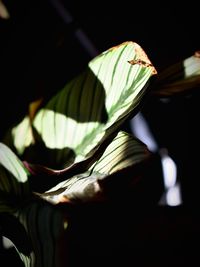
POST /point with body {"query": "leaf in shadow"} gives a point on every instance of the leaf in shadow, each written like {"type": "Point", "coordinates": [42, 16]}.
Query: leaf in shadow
{"type": "Point", "coordinates": [15, 231]}
{"type": "Point", "coordinates": [54, 157]}
{"type": "Point", "coordinates": [38, 232]}
{"type": "Point", "coordinates": [83, 99]}
{"type": "Point", "coordinates": [47, 227]}
{"type": "Point", "coordinates": [35, 227]}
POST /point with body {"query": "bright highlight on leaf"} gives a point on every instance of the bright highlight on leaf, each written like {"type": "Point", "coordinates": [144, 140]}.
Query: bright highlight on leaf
{"type": "Point", "coordinates": [12, 164]}
{"type": "Point", "coordinates": [192, 65]}
{"type": "Point", "coordinates": [124, 151]}
{"type": "Point", "coordinates": [23, 135]}
{"type": "Point", "coordinates": [13, 179]}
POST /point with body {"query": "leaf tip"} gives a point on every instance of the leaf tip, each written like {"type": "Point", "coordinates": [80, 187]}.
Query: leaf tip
{"type": "Point", "coordinates": [143, 63]}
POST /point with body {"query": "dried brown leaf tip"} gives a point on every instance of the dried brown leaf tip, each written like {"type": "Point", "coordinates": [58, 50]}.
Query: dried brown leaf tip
{"type": "Point", "coordinates": [140, 62]}
{"type": "Point", "coordinates": [143, 63]}
{"type": "Point", "coordinates": [142, 59]}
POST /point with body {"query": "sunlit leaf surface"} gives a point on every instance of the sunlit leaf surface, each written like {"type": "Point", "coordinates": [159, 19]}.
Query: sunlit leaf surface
{"type": "Point", "coordinates": [74, 143]}
{"type": "Point", "coordinates": [88, 109]}
{"type": "Point", "coordinates": [13, 179]}
{"type": "Point", "coordinates": [123, 154]}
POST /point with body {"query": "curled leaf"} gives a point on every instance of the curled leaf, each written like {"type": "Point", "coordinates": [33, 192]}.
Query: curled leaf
{"type": "Point", "coordinates": [117, 168]}
{"type": "Point", "coordinates": [179, 78]}
{"type": "Point", "coordinates": [88, 110]}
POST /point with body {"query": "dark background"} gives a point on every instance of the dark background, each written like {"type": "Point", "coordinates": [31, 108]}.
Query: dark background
{"type": "Point", "coordinates": [40, 53]}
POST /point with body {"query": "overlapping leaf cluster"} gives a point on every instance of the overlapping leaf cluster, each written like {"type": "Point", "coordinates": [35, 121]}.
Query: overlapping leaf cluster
{"type": "Point", "coordinates": [72, 148]}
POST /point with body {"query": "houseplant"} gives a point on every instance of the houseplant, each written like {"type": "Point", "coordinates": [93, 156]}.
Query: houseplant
{"type": "Point", "coordinates": [70, 151]}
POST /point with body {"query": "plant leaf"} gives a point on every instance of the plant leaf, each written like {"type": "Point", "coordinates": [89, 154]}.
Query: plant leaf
{"type": "Point", "coordinates": [117, 167]}
{"type": "Point", "coordinates": [13, 179]}
{"type": "Point", "coordinates": [179, 78]}
{"type": "Point", "coordinates": [88, 110]}
{"type": "Point", "coordinates": [38, 232]}
{"type": "Point", "coordinates": [46, 228]}
{"type": "Point", "coordinates": [34, 227]}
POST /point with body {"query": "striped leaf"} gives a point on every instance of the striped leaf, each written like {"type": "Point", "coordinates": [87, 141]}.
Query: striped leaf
{"type": "Point", "coordinates": [46, 228]}
{"type": "Point", "coordinates": [76, 133]}
{"type": "Point", "coordinates": [88, 110]}
{"type": "Point", "coordinates": [35, 228]}
{"type": "Point", "coordinates": [38, 231]}
{"type": "Point", "coordinates": [116, 168]}
{"type": "Point", "coordinates": [13, 180]}
{"type": "Point", "coordinates": [179, 78]}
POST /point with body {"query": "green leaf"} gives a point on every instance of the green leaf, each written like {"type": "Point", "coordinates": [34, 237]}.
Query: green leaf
{"type": "Point", "coordinates": [13, 179]}
{"type": "Point", "coordinates": [124, 151]}
{"type": "Point", "coordinates": [38, 232]}
{"type": "Point", "coordinates": [46, 228]}
{"type": "Point", "coordinates": [117, 168]}
{"type": "Point", "coordinates": [35, 228]}
{"type": "Point", "coordinates": [88, 110]}
{"type": "Point", "coordinates": [179, 78]}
